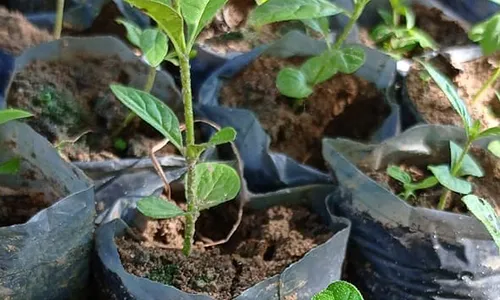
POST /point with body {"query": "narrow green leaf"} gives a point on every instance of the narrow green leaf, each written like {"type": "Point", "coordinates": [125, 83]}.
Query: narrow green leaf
{"type": "Point", "coordinates": [485, 213]}
{"type": "Point", "coordinates": [398, 174]}
{"type": "Point", "coordinates": [410, 18]}
{"type": "Point", "coordinates": [469, 165]}
{"type": "Point", "coordinates": [284, 10]}
{"type": "Point", "coordinates": [154, 45]}
{"type": "Point", "coordinates": [152, 111]}
{"type": "Point", "coordinates": [451, 93]}
{"type": "Point", "coordinates": [167, 19]}
{"type": "Point", "coordinates": [494, 131]}
{"type": "Point", "coordinates": [443, 174]}
{"type": "Point", "coordinates": [7, 115]}
{"type": "Point", "coordinates": [223, 136]}
{"type": "Point", "coordinates": [158, 208]}
{"type": "Point", "coordinates": [386, 16]}
{"type": "Point", "coordinates": [133, 32]}
{"type": "Point", "coordinates": [490, 42]}
{"type": "Point", "coordinates": [424, 40]}
{"type": "Point", "coordinates": [215, 184]}
{"type": "Point", "coordinates": [320, 25]}
{"type": "Point", "coordinates": [381, 33]}
{"type": "Point", "coordinates": [10, 167]}
{"type": "Point", "coordinates": [293, 83]}
{"type": "Point", "coordinates": [317, 69]}
{"type": "Point", "coordinates": [406, 42]}
{"type": "Point", "coordinates": [348, 60]}
{"type": "Point", "coordinates": [197, 14]}
{"type": "Point", "coordinates": [339, 290]}
{"type": "Point", "coordinates": [494, 147]}
{"type": "Point", "coordinates": [422, 185]}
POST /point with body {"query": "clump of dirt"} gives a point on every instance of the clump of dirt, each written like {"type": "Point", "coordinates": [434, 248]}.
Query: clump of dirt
{"type": "Point", "coordinates": [264, 245]}
{"type": "Point", "coordinates": [345, 105]}
{"type": "Point", "coordinates": [18, 34]}
{"type": "Point", "coordinates": [71, 100]}
{"type": "Point", "coordinates": [435, 107]}
{"type": "Point", "coordinates": [486, 187]}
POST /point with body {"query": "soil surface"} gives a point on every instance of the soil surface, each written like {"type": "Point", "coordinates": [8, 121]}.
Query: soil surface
{"type": "Point", "coordinates": [445, 32]}
{"type": "Point", "coordinates": [486, 187]}
{"type": "Point", "coordinates": [18, 34]}
{"type": "Point", "coordinates": [71, 100]}
{"type": "Point", "coordinates": [435, 107]}
{"type": "Point", "coordinates": [264, 245]}
{"type": "Point", "coordinates": [345, 105]}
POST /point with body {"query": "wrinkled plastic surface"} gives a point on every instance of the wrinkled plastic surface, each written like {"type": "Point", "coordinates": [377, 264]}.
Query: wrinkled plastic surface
{"type": "Point", "coordinates": [319, 267]}
{"type": "Point", "coordinates": [267, 171]}
{"type": "Point", "coordinates": [6, 69]}
{"type": "Point", "coordinates": [404, 252]}
{"type": "Point", "coordinates": [472, 10]}
{"type": "Point", "coordinates": [47, 257]}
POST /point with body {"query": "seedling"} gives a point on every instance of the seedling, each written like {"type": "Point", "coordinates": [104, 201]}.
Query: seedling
{"type": "Point", "coordinates": [12, 165]}
{"type": "Point", "coordinates": [396, 38]}
{"type": "Point", "coordinates": [487, 33]}
{"type": "Point", "coordinates": [59, 19]}
{"type": "Point", "coordinates": [339, 290]}
{"type": "Point", "coordinates": [452, 177]}
{"type": "Point", "coordinates": [207, 184]}
{"type": "Point", "coordinates": [298, 83]}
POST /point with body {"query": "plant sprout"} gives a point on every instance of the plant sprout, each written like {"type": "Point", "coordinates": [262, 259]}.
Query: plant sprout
{"type": "Point", "coordinates": [12, 165]}
{"type": "Point", "coordinates": [339, 290]}
{"type": "Point", "coordinates": [398, 39]}
{"type": "Point", "coordinates": [298, 83]}
{"type": "Point", "coordinates": [59, 19]}
{"type": "Point", "coordinates": [207, 184]}
{"type": "Point", "coordinates": [452, 176]}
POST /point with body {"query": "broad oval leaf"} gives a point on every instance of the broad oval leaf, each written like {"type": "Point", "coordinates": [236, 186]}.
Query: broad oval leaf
{"type": "Point", "coordinates": [398, 174]}
{"type": "Point", "coordinates": [284, 10]}
{"type": "Point", "coordinates": [476, 33]}
{"type": "Point", "coordinates": [340, 290]}
{"type": "Point", "coordinates": [215, 184]}
{"type": "Point", "coordinates": [152, 111]}
{"type": "Point", "coordinates": [320, 25]}
{"type": "Point", "coordinates": [223, 136]}
{"type": "Point", "coordinates": [494, 131]}
{"type": "Point", "coordinates": [134, 32]}
{"type": "Point", "coordinates": [317, 70]}
{"type": "Point", "coordinates": [10, 167]}
{"type": "Point", "coordinates": [469, 165]}
{"type": "Point", "coordinates": [451, 93]}
{"type": "Point", "coordinates": [494, 147]}
{"type": "Point", "coordinates": [158, 208]}
{"type": "Point", "coordinates": [485, 213]}
{"type": "Point", "coordinates": [490, 42]}
{"type": "Point", "coordinates": [7, 115]}
{"type": "Point", "coordinates": [443, 174]}
{"type": "Point", "coordinates": [154, 45]}
{"type": "Point", "coordinates": [348, 59]}
{"type": "Point", "coordinates": [293, 83]}
{"type": "Point", "coordinates": [197, 14]}
{"type": "Point", "coordinates": [167, 19]}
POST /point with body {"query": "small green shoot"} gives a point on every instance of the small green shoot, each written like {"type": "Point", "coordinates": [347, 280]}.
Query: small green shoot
{"type": "Point", "coordinates": [207, 184]}
{"type": "Point", "coordinates": [399, 39]}
{"type": "Point", "coordinates": [339, 290]}
{"type": "Point", "coordinates": [409, 186]}
{"type": "Point", "coordinates": [13, 165]}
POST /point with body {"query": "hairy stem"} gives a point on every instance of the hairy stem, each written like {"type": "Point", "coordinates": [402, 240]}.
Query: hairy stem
{"type": "Point", "coordinates": [59, 19]}
{"type": "Point", "coordinates": [358, 9]}
{"type": "Point", "coordinates": [486, 85]}
{"type": "Point", "coordinates": [187, 98]}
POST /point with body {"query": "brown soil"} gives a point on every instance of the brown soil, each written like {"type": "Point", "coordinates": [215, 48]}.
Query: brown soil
{"type": "Point", "coordinates": [435, 107]}
{"type": "Point", "coordinates": [71, 96]}
{"type": "Point", "coordinates": [263, 246]}
{"type": "Point", "coordinates": [18, 34]}
{"type": "Point", "coordinates": [486, 187]}
{"type": "Point", "coordinates": [345, 106]}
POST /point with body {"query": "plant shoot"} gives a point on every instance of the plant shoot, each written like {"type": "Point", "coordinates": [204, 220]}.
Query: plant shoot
{"type": "Point", "coordinates": [6, 115]}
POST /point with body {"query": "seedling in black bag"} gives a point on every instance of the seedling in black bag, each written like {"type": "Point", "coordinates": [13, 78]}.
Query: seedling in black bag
{"type": "Point", "coordinates": [396, 38]}
{"type": "Point", "coordinates": [298, 83]}
{"type": "Point", "coordinates": [339, 290]}
{"type": "Point", "coordinates": [452, 177]}
{"type": "Point", "coordinates": [207, 184]}
{"type": "Point", "coordinates": [12, 165]}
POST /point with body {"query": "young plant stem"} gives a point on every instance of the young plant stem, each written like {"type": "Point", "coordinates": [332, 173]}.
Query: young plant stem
{"type": "Point", "coordinates": [59, 19]}
{"type": "Point", "coordinates": [192, 213]}
{"type": "Point", "coordinates": [486, 85]}
{"type": "Point", "coordinates": [358, 9]}
{"type": "Point", "coordinates": [444, 197]}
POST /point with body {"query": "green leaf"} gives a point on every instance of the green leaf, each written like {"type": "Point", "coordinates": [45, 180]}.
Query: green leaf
{"type": "Point", "coordinates": [410, 18]}
{"type": "Point", "coordinates": [476, 33]}
{"type": "Point", "coordinates": [407, 42]}
{"type": "Point", "coordinates": [347, 60]}
{"type": "Point", "coordinates": [7, 115]}
{"type": "Point", "coordinates": [339, 290]}
{"type": "Point", "coordinates": [158, 208]}
{"type": "Point", "coordinates": [133, 32]}
{"type": "Point", "coordinates": [293, 83]}
{"type": "Point", "coordinates": [223, 136]}
{"type": "Point", "coordinates": [381, 33]}
{"type": "Point", "coordinates": [469, 165]}
{"type": "Point", "coordinates": [475, 129]}
{"type": "Point", "coordinates": [451, 93]}
{"type": "Point", "coordinates": [485, 213]}
{"type": "Point", "coordinates": [422, 185]}
{"type": "Point", "coordinates": [152, 111]}
{"type": "Point", "coordinates": [317, 70]}
{"type": "Point", "coordinates": [10, 167]}
{"type": "Point", "coordinates": [154, 45]}
{"type": "Point", "coordinates": [398, 174]}
{"type": "Point", "coordinates": [490, 42]}
{"type": "Point", "coordinates": [320, 25]}
{"type": "Point", "coordinates": [424, 40]}
{"type": "Point", "coordinates": [386, 16]}
{"type": "Point", "coordinates": [284, 10]}
{"type": "Point", "coordinates": [260, 2]}
{"type": "Point", "coordinates": [443, 174]}
{"type": "Point", "coordinates": [167, 19]}
{"type": "Point", "coordinates": [215, 184]}
{"type": "Point", "coordinates": [494, 147]}
{"type": "Point", "coordinates": [197, 14]}
{"type": "Point", "coordinates": [494, 131]}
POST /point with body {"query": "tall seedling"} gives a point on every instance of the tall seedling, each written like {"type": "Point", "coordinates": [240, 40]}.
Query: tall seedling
{"type": "Point", "coordinates": [206, 184]}
{"type": "Point", "coordinates": [6, 115]}
{"type": "Point", "coordinates": [59, 19]}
